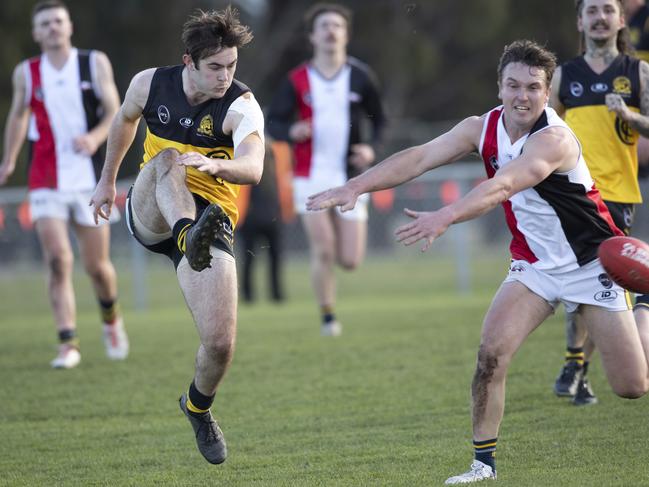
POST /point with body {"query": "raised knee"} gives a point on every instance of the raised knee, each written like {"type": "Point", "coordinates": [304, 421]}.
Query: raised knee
{"type": "Point", "coordinates": [165, 162]}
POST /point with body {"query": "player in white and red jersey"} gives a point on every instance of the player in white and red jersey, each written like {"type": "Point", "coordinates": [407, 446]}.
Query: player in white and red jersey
{"type": "Point", "coordinates": [557, 218]}
{"type": "Point", "coordinates": [320, 109]}
{"type": "Point", "coordinates": [64, 100]}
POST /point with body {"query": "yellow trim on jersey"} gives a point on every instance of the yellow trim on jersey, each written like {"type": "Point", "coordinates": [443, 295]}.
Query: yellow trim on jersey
{"type": "Point", "coordinates": [214, 190]}
{"type": "Point", "coordinates": [610, 149]}
{"type": "Point", "coordinates": [627, 296]}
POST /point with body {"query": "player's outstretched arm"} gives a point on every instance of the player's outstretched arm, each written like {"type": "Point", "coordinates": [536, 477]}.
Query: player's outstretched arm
{"type": "Point", "coordinates": [555, 101]}
{"type": "Point", "coordinates": [120, 137]}
{"type": "Point", "coordinates": [16, 125]}
{"type": "Point", "coordinates": [404, 166]}
{"type": "Point", "coordinates": [554, 149]}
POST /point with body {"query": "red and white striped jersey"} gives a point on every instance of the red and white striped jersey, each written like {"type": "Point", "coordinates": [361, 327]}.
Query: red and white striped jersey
{"type": "Point", "coordinates": [64, 104]}
{"type": "Point", "coordinates": [558, 224]}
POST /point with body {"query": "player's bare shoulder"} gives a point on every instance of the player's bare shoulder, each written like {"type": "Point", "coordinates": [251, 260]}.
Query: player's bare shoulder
{"type": "Point", "coordinates": [138, 90]}
{"type": "Point", "coordinates": [557, 145]}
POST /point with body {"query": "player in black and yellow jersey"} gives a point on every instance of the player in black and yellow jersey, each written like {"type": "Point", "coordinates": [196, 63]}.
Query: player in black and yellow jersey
{"type": "Point", "coordinates": [604, 97]}
{"type": "Point", "coordinates": [204, 138]}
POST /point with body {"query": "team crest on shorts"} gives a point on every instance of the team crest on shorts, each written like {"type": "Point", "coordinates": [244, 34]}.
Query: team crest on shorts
{"type": "Point", "coordinates": [206, 127]}
{"type": "Point", "coordinates": [605, 281]}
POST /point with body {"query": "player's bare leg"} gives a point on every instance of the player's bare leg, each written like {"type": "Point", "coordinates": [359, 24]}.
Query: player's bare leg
{"type": "Point", "coordinates": [623, 347]}
{"type": "Point", "coordinates": [514, 313]}
{"type": "Point", "coordinates": [351, 241]}
{"type": "Point", "coordinates": [321, 233]}
{"type": "Point", "coordinates": [59, 259]}
{"type": "Point", "coordinates": [94, 246]}
{"type": "Point", "coordinates": [211, 296]}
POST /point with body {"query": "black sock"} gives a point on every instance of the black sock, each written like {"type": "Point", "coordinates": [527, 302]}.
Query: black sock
{"type": "Point", "coordinates": [585, 369]}
{"type": "Point", "coordinates": [179, 231]}
{"type": "Point", "coordinates": [69, 337]}
{"type": "Point", "coordinates": [109, 311]}
{"type": "Point", "coordinates": [197, 402]}
{"type": "Point", "coordinates": [485, 451]}
{"type": "Point", "coordinates": [327, 314]}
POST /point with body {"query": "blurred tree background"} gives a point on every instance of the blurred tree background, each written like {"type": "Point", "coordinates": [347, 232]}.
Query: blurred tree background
{"type": "Point", "coordinates": [436, 59]}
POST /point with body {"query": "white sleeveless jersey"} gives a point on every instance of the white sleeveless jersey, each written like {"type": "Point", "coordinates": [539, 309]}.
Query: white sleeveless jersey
{"type": "Point", "coordinates": [59, 115]}
{"type": "Point", "coordinates": [558, 224]}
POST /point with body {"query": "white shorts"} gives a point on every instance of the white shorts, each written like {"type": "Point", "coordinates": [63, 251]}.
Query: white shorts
{"type": "Point", "coordinates": [63, 205]}
{"type": "Point", "coordinates": [305, 187]}
{"type": "Point", "coordinates": [588, 284]}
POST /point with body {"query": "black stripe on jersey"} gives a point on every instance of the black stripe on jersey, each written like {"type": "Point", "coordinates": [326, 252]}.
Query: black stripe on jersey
{"type": "Point", "coordinates": [582, 224]}
{"type": "Point", "coordinates": [581, 86]}
{"type": "Point", "coordinates": [169, 115]}
{"type": "Point", "coordinates": [91, 106]}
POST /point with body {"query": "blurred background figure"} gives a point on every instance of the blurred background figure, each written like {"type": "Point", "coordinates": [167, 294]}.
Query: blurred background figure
{"type": "Point", "coordinates": [331, 96]}
{"type": "Point", "coordinates": [64, 101]}
{"type": "Point", "coordinates": [263, 210]}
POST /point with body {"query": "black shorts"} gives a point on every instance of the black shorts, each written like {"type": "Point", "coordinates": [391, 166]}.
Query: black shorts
{"type": "Point", "coordinates": [168, 246]}
{"type": "Point", "coordinates": [623, 215]}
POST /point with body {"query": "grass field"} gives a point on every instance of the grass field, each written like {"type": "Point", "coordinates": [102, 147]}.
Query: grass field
{"type": "Point", "coordinates": [385, 404]}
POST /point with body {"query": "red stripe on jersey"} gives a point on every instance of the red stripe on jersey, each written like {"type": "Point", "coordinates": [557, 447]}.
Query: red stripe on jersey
{"type": "Point", "coordinates": [518, 247]}
{"type": "Point", "coordinates": [595, 196]}
{"type": "Point", "coordinates": [302, 150]}
{"type": "Point", "coordinates": [42, 172]}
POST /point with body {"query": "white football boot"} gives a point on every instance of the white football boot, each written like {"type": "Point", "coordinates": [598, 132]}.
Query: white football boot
{"type": "Point", "coordinates": [478, 472]}
{"type": "Point", "coordinates": [331, 329]}
{"type": "Point", "coordinates": [116, 340]}
{"type": "Point", "coordinates": [68, 358]}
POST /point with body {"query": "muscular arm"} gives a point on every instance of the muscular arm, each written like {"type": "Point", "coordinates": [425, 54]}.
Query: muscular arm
{"type": "Point", "coordinates": [244, 119]}
{"type": "Point", "coordinates": [554, 149]}
{"type": "Point", "coordinates": [555, 102]}
{"type": "Point", "coordinates": [120, 137]}
{"type": "Point", "coordinates": [16, 125]}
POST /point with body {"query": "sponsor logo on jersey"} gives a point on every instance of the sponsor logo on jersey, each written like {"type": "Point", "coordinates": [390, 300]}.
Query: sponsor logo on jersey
{"type": "Point", "coordinates": [624, 131]}
{"type": "Point", "coordinates": [605, 281]}
{"type": "Point", "coordinates": [605, 296]}
{"type": "Point", "coordinates": [163, 114]}
{"type": "Point", "coordinates": [206, 127]}
{"type": "Point", "coordinates": [186, 122]}
{"type": "Point", "coordinates": [622, 85]}
{"type": "Point", "coordinates": [517, 268]}
{"type": "Point", "coordinates": [599, 87]}
{"type": "Point", "coordinates": [576, 89]}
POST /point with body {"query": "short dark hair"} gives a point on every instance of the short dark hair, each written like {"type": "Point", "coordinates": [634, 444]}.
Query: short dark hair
{"type": "Point", "coordinates": [321, 8]}
{"type": "Point", "coordinates": [206, 33]}
{"type": "Point", "coordinates": [623, 41]}
{"type": "Point", "coordinates": [48, 4]}
{"type": "Point", "coordinates": [531, 54]}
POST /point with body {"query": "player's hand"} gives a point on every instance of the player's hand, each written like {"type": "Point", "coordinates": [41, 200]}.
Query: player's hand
{"type": "Point", "coordinates": [6, 170]}
{"type": "Point", "coordinates": [615, 103]}
{"type": "Point", "coordinates": [300, 131]}
{"type": "Point", "coordinates": [362, 156]}
{"type": "Point", "coordinates": [85, 144]}
{"type": "Point", "coordinates": [426, 225]}
{"type": "Point", "coordinates": [102, 200]}
{"type": "Point", "coordinates": [200, 162]}
{"type": "Point", "coordinates": [342, 196]}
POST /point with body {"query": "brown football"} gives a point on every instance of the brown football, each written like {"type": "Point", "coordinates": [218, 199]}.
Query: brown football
{"type": "Point", "coordinates": [626, 260]}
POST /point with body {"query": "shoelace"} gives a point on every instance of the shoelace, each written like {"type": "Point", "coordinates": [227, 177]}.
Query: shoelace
{"type": "Point", "coordinates": [210, 424]}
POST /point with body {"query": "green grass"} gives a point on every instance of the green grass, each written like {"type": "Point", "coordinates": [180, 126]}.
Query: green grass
{"type": "Point", "coordinates": [388, 403]}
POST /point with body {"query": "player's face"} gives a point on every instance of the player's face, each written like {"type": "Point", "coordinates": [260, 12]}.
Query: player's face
{"type": "Point", "coordinates": [52, 28]}
{"type": "Point", "coordinates": [524, 91]}
{"type": "Point", "coordinates": [600, 20]}
{"type": "Point", "coordinates": [329, 32]}
{"type": "Point", "coordinates": [215, 73]}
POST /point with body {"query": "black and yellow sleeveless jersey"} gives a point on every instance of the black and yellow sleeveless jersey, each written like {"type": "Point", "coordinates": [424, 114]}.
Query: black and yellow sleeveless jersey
{"type": "Point", "coordinates": [173, 123]}
{"type": "Point", "coordinates": [609, 145]}
{"type": "Point", "coordinates": [639, 32]}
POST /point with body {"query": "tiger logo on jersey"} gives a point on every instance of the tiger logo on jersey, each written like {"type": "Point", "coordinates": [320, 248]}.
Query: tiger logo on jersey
{"type": "Point", "coordinates": [622, 85]}
{"type": "Point", "coordinates": [206, 127]}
